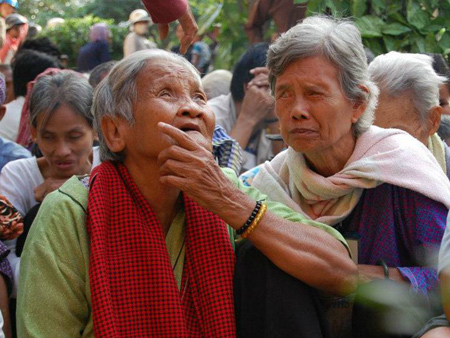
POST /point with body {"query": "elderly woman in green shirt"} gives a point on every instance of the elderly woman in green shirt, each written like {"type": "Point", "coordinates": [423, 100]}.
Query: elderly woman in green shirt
{"type": "Point", "coordinates": [141, 249]}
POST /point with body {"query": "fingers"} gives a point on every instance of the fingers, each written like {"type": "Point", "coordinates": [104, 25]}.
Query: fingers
{"type": "Point", "coordinates": [163, 29]}
{"type": "Point", "coordinates": [180, 137]}
{"type": "Point", "coordinates": [259, 70]}
{"type": "Point", "coordinates": [190, 29]}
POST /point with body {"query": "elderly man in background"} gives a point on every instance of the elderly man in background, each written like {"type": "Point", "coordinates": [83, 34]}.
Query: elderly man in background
{"type": "Point", "coordinates": [247, 113]}
{"type": "Point", "coordinates": [137, 40]}
{"type": "Point", "coordinates": [409, 99]}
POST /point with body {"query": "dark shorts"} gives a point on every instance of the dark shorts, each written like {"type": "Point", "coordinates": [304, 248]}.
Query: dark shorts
{"type": "Point", "coordinates": [432, 324]}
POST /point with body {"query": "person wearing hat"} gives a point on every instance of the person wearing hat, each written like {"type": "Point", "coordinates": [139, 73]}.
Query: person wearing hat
{"type": "Point", "coordinates": [136, 40]}
{"type": "Point", "coordinates": [15, 25]}
{"type": "Point", "coordinates": [7, 7]}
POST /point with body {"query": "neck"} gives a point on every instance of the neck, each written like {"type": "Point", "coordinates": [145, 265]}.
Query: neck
{"type": "Point", "coordinates": [330, 161]}
{"type": "Point", "coordinates": [163, 199]}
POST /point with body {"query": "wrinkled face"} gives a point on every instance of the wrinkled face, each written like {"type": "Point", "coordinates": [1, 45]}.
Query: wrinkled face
{"type": "Point", "coordinates": [65, 141]}
{"type": "Point", "coordinates": [167, 92]}
{"type": "Point", "coordinates": [313, 111]}
{"type": "Point", "coordinates": [6, 9]}
{"type": "Point", "coordinates": [444, 99]}
{"type": "Point", "coordinates": [400, 112]}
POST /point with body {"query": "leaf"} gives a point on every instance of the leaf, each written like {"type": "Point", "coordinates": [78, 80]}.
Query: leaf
{"type": "Point", "coordinates": [417, 44]}
{"type": "Point", "coordinates": [370, 26]}
{"type": "Point", "coordinates": [395, 29]}
{"type": "Point", "coordinates": [378, 6]}
{"type": "Point", "coordinates": [390, 43]}
{"type": "Point", "coordinates": [444, 42]}
{"type": "Point", "coordinates": [300, 1]}
{"type": "Point", "coordinates": [431, 45]}
{"type": "Point", "coordinates": [415, 15]}
{"type": "Point", "coordinates": [358, 7]}
{"type": "Point", "coordinates": [375, 46]}
{"type": "Point", "coordinates": [316, 6]}
{"type": "Point", "coordinates": [398, 17]}
{"type": "Point", "coordinates": [394, 7]}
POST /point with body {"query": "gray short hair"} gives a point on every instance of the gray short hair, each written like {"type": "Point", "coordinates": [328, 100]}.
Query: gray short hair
{"type": "Point", "coordinates": [400, 73]}
{"type": "Point", "coordinates": [117, 93]}
{"type": "Point", "coordinates": [63, 88]}
{"type": "Point", "coordinates": [338, 40]}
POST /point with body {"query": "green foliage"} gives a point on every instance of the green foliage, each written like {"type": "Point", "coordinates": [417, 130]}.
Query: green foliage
{"type": "Point", "coordinates": [40, 11]}
{"type": "Point", "coordinates": [118, 10]}
{"type": "Point", "coordinates": [74, 33]}
{"type": "Point", "coordinates": [386, 25]}
{"type": "Point", "coordinates": [403, 25]}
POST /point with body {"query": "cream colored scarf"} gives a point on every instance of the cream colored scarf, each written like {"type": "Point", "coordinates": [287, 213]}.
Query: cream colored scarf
{"type": "Point", "coordinates": [437, 148]}
{"type": "Point", "coordinates": [380, 156]}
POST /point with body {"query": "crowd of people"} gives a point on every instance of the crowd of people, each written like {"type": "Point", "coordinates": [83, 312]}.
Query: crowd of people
{"type": "Point", "coordinates": [304, 193]}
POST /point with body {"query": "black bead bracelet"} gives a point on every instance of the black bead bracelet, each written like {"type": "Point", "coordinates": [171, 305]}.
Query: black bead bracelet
{"type": "Point", "coordinates": [255, 211]}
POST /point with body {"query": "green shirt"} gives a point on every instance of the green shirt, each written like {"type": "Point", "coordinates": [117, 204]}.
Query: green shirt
{"type": "Point", "coordinates": [54, 297]}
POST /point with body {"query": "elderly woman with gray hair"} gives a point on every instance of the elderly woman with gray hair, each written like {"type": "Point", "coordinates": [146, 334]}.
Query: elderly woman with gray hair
{"type": "Point", "coordinates": [342, 171]}
{"type": "Point", "coordinates": [146, 250]}
{"type": "Point", "coordinates": [409, 99]}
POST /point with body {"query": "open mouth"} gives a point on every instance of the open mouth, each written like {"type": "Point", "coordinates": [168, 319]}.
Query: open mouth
{"type": "Point", "coordinates": [190, 127]}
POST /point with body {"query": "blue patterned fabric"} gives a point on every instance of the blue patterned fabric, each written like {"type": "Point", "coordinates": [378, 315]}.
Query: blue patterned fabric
{"type": "Point", "coordinates": [402, 227]}
{"type": "Point", "coordinates": [226, 150]}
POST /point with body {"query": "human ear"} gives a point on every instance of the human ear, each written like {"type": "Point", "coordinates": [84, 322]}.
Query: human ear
{"type": "Point", "coordinates": [359, 106]}
{"type": "Point", "coordinates": [434, 119]}
{"type": "Point", "coordinates": [33, 134]}
{"type": "Point", "coordinates": [2, 111]}
{"type": "Point", "coordinates": [114, 133]}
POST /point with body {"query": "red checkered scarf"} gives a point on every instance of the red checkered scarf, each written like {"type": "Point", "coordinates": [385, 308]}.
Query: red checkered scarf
{"type": "Point", "coordinates": [134, 291]}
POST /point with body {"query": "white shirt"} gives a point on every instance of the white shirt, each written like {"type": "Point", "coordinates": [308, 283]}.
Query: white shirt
{"type": "Point", "coordinates": [9, 125]}
{"type": "Point", "coordinates": [18, 180]}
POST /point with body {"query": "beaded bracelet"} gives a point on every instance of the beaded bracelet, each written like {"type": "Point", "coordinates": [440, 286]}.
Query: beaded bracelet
{"type": "Point", "coordinates": [241, 230]}
{"type": "Point", "coordinates": [255, 223]}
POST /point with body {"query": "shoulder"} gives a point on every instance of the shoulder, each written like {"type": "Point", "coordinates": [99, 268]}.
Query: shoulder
{"type": "Point", "coordinates": [21, 166]}
{"type": "Point", "coordinates": [62, 216]}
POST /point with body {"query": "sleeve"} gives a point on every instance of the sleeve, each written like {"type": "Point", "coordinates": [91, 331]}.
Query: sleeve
{"type": "Point", "coordinates": [444, 251]}
{"type": "Point", "coordinates": [280, 209]}
{"type": "Point", "coordinates": [53, 287]}
{"type": "Point", "coordinates": [423, 223]}
{"type": "Point", "coordinates": [165, 11]}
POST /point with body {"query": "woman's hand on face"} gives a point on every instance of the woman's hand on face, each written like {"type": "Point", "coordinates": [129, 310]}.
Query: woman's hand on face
{"type": "Point", "coordinates": [190, 167]}
{"type": "Point", "coordinates": [49, 185]}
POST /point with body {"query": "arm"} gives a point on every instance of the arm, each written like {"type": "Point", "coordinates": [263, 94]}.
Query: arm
{"type": "Point", "coordinates": [165, 11]}
{"type": "Point", "coordinates": [306, 252]}
{"type": "Point", "coordinates": [258, 104]}
{"type": "Point", "coordinates": [53, 298]}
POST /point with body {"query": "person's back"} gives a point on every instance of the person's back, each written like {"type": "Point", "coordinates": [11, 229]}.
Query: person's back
{"type": "Point", "coordinates": [95, 52]}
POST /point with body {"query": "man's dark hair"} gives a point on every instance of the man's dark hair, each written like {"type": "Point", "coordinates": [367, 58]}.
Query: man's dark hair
{"type": "Point", "coordinates": [254, 57]}
{"type": "Point", "coordinates": [43, 45]}
{"type": "Point", "coordinates": [99, 72]}
{"type": "Point", "coordinates": [27, 65]}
